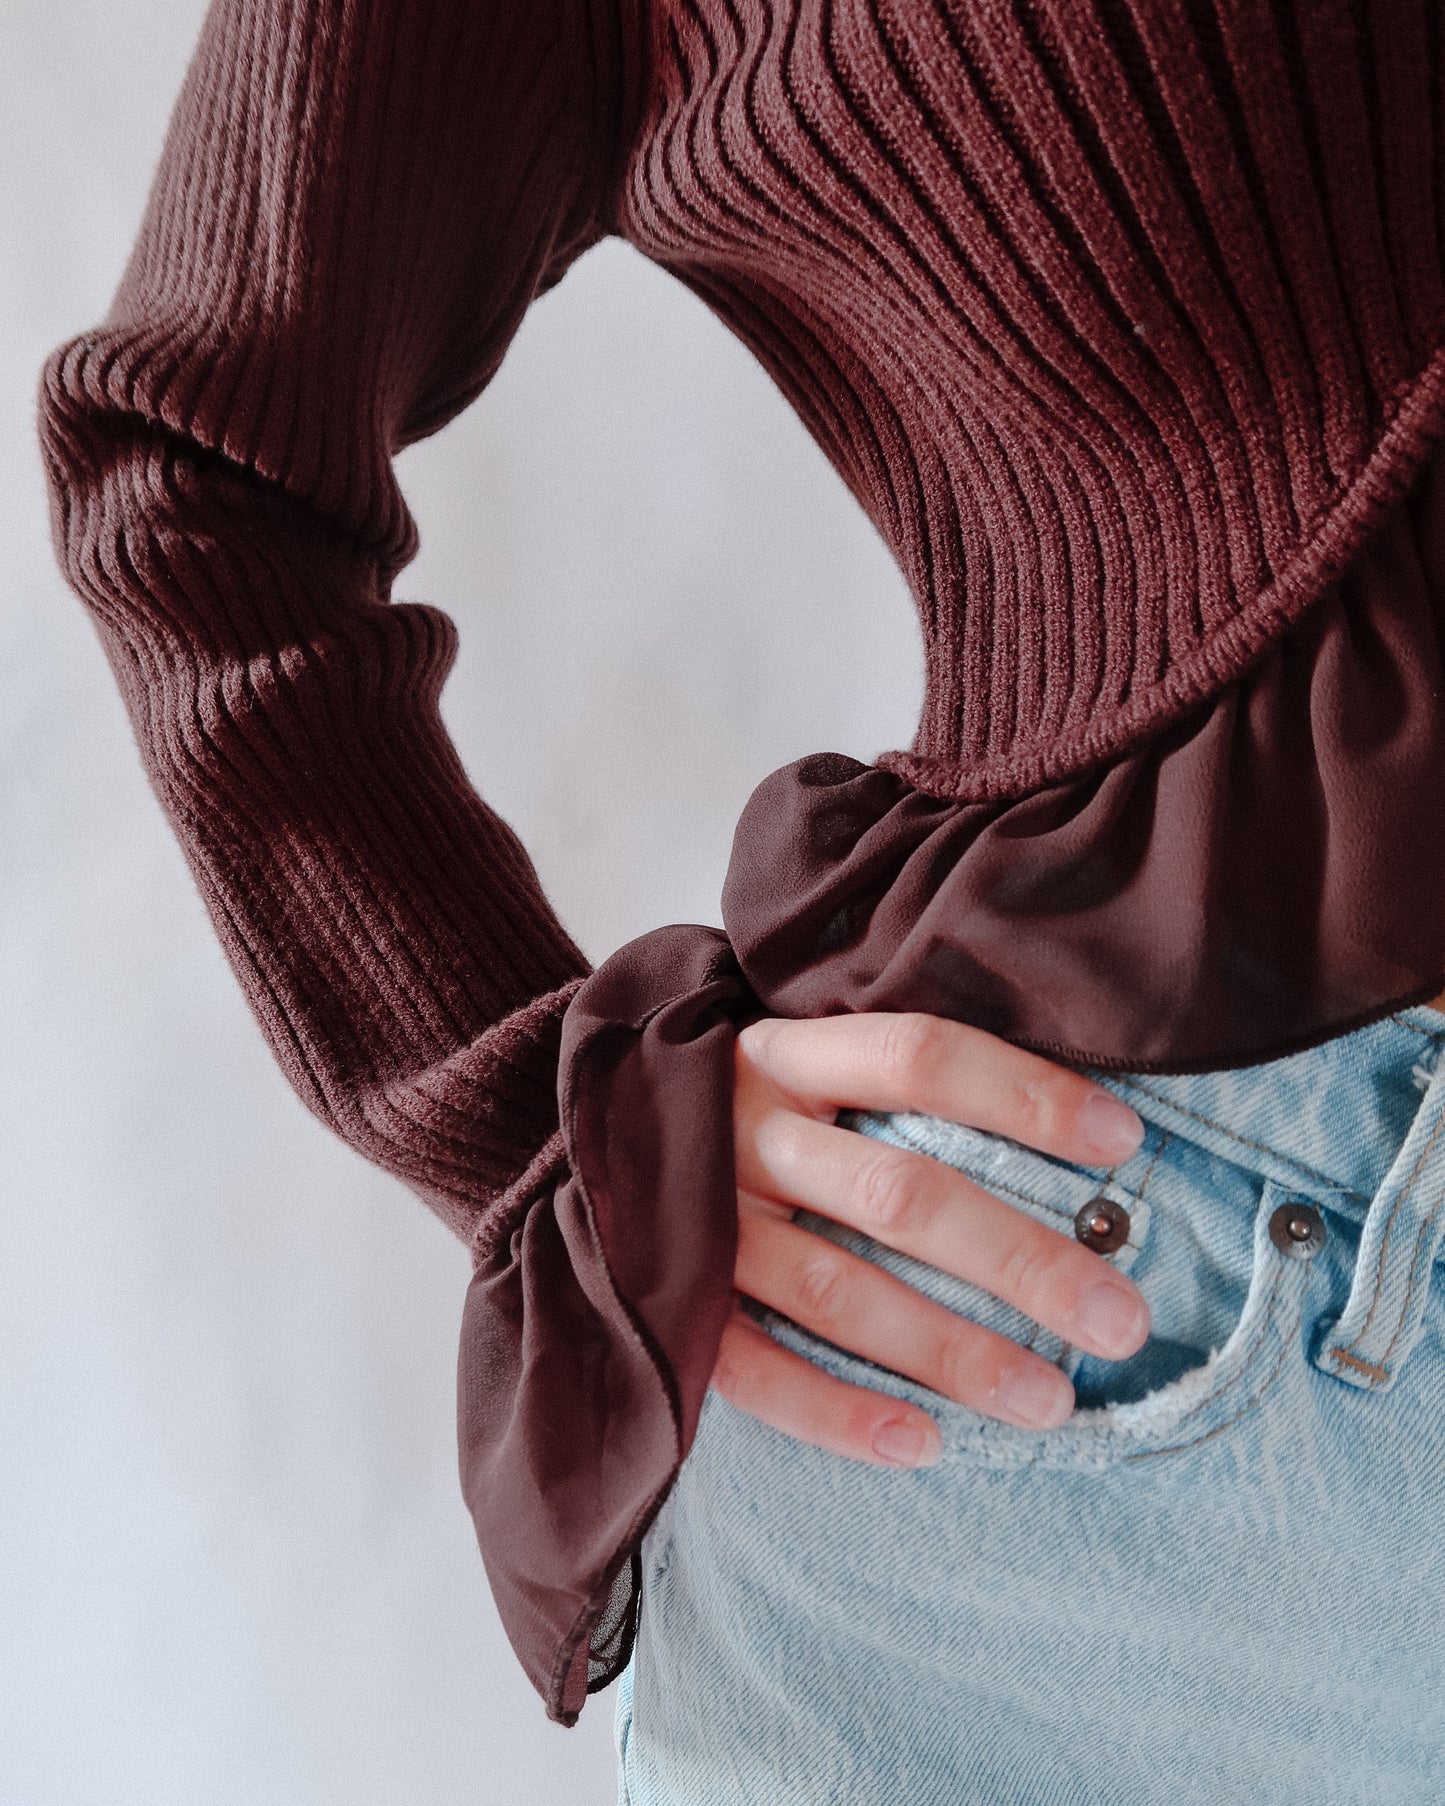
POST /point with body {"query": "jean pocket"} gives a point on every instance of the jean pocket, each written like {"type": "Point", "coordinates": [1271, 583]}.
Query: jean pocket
{"type": "Point", "coordinates": [1225, 1286]}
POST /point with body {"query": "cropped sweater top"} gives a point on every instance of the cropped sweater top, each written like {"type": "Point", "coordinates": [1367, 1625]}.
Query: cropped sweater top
{"type": "Point", "coordinates": [1124, 321]}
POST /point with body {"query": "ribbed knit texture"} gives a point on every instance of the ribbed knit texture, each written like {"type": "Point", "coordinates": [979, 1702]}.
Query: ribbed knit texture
{"type": "Point", "coordinates": [1123, 320]}
{"type": "Point", "coordinates": [355, 206]}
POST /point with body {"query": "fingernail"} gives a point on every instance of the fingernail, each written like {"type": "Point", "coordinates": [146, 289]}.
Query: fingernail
{"type": "Point", "coordinates": [1041, 1396]}
{"type": "Point", "coordinates": [1110, 1127]}
{"type": "Point", "coordinates": [1111, 1318]}
{"type": "Point", "coordinates": [907, 1442]}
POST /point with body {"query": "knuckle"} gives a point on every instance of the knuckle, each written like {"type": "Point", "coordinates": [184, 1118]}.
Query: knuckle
{"type": "Point", "coordinates": [821, 1288]}
{"type": "Point", "coordinates": [730, 1368]}
{"type": "Point", "coordinates": [1029, 1265]}
{"type": "Point", "coordinates": [956, 1365]}
{"type": "Point", "coordinates": [886, 1194]}
{"type": "Point", "coordinates": [1039, 1102]}
{"type": "Point", "coordinates": [781, 1142]}
{"type": "Point", "coordinates": [910, 1044]}
{"type": "Point", "coordinates": [756, 1040]}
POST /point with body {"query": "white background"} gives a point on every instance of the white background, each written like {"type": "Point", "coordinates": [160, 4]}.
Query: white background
{"type": "Point", "coordinates": [235, 1566]}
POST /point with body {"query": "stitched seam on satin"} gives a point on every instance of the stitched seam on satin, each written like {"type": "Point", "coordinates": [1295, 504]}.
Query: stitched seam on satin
{"type": "Point", "coordinates": [580, 1630]}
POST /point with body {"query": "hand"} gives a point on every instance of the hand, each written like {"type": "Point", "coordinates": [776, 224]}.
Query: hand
{"type": "Point", "coordinates": [791, 1079]}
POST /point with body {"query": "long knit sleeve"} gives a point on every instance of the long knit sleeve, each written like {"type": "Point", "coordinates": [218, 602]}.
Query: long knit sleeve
{"type": "Point", "coordinates": [355, 205]}
{"type": "Point", "coordinates": [357, 201]}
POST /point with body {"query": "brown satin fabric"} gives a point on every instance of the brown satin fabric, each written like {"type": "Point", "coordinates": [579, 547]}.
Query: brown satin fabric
{"type": "Point", "coordinates": [589, 1334]}
{"type": "Point", "coordinates": [1267, 872]}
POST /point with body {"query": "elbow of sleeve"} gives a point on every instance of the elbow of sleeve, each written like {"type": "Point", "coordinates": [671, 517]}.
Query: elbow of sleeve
{"type": "Point", "coordinates": [181, 423]}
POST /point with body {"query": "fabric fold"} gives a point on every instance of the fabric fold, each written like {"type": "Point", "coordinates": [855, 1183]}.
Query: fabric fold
{"type": "Point", "coordinates": [589, 1333]}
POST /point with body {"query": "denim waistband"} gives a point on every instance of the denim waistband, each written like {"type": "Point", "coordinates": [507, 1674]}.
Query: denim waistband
{"type": "Point", "coordinates": [1328, 1121]}
{"type": "Point", "coordinates": [1356, 1123]}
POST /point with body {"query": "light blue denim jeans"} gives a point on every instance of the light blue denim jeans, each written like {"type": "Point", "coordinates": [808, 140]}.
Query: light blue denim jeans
{"type": "Point", "coordinates": [1222, 1580]}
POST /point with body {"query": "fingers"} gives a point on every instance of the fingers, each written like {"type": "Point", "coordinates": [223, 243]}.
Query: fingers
{"type": "Point", "coordinates": [926, 1209]}
{"type": "Point", "coordinates": [856, 1305]}
{"type": "Point", "coordinates": [912, 1061]}
{"type": "Point", "coordinates": [792, 1077]}
{"type": "Point", "coordinates": [783, 1390]}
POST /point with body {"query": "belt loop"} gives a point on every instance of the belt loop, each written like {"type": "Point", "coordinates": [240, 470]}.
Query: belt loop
{"type": "Point", "coordinates": [1381, 1322]}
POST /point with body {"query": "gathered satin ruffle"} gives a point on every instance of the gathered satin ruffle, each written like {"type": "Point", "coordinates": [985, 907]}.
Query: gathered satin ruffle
{"type": "Point", "coordinates": [1265, 873]}
{"type": "Point", "coordinates": [589, 1333]}
{"type": "Point", "coordinates": [1268, 872]}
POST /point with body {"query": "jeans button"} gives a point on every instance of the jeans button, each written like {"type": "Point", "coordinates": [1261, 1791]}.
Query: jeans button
{"type": "Point", "coordinates": [1297, 1230]}
{"type": "Point", "coordinates": [1102, 1225]}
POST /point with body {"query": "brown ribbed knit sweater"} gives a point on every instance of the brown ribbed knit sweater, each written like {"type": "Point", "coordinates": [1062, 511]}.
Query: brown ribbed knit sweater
{"type": "Point", "coordinates": [1125, 322]}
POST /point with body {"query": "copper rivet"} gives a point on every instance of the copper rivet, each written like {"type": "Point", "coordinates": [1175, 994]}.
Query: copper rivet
{"type": "Point", "coordinates": [1102, 1225]}
{"type": "Point", "coordinates": [1298, 1230]}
